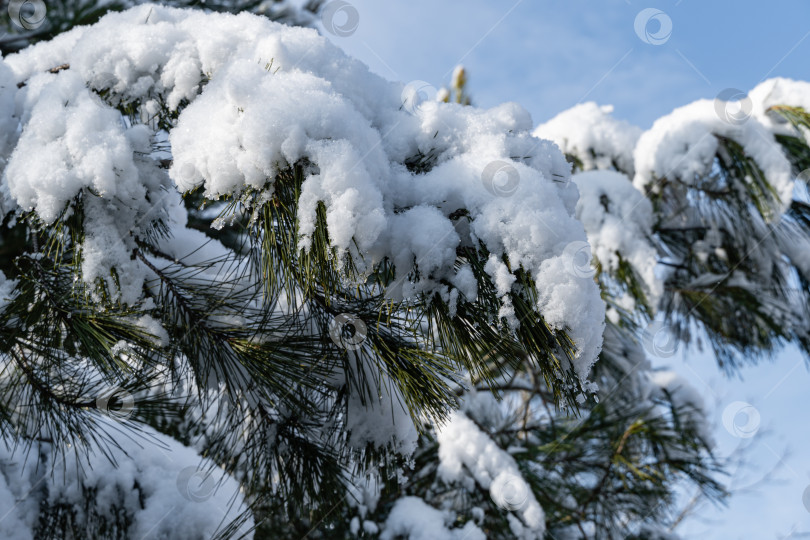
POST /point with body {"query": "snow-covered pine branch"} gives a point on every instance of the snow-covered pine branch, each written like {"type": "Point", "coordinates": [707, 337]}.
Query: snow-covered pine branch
{"type": "Point", "coordinates": [228, 239]}
{"type": "Point", "coordinates": [352, 205]}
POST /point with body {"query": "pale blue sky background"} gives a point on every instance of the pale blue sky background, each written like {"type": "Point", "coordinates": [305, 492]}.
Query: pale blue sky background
{"type": "Point", "coordinates": [548, 56]}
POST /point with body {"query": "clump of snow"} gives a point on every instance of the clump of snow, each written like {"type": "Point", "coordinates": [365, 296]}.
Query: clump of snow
{"type": "Point", "coordinates": [618, 220]}
{"type": "Point", "coordinates": [151, 480]}
{"type": "Point", "coordinates": [597, 139]}
{"type": "Point", "coordinates": [778, 91]}
{"type": "Point", "coordinates": [8, 123]}
{"type": "Point", "coordinates": [70, 140]}
{"type": "Point", "coordinates": [414, 519]}
{"type": "Point", "coordinates": [466, 450]}
{"type": "Point", "coordinates": [107, 245]}
{"type": "Point", "coordinates": [152, 326]}
{"type": "Point", "coordinates": [683, 145]}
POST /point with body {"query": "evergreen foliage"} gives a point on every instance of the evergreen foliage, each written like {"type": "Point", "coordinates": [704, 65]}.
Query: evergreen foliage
{"type": "Point", "coordinates": [251, 347]}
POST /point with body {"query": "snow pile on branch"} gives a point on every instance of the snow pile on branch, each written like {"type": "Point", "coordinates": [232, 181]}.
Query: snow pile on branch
{"type": "Point", "coordinates": [618, 220]}
{"type": "Point", "coordinates": [259, 97]}
{"type": "Point", "coordinates": [414, 519]}
{"type": "Point", "coordinates": [778, 92]}
{"type": "Point", "coordinates": [589, 132]}
{"type": "Point", "coordinates": [465, 449]}
{"type": "Point", "coordinates": [682, 146]}
{"type": "Point", "coordinates": [148, 481]}
{"type": "Point", "coordinates": [70, 141]}
{"type": "Point", "coordinates": [78, 142]}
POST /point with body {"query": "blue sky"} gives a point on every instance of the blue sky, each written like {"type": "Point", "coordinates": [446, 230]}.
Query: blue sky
{"type": "Point", "coordinates": [550, 55]}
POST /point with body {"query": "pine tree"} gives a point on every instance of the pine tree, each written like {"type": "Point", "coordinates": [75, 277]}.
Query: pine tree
{"type": "Point", "coordinates": [378, 316]}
